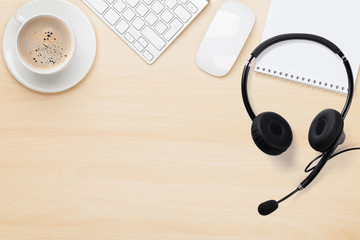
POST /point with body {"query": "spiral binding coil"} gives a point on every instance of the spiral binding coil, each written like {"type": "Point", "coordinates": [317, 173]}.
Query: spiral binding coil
{"type": "Point", "coordinates": [300, 79]}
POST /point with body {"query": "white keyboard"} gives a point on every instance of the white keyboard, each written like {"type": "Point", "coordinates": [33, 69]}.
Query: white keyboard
{"type": "Point", "coordinates": [147, 26]}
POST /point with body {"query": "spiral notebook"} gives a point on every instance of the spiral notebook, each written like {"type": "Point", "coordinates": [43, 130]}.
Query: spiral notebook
{"type": "Point", "coordinates": [307, 62]}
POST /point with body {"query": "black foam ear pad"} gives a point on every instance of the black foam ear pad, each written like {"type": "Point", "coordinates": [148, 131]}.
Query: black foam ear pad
{"type": "Point", "coordinates": [271, 133]}
{"type": "Point", "coordinates": [325, 130]}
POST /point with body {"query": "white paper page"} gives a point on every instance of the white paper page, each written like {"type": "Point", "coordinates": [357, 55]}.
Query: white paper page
{"type": "Point", "coordinates": [308, 62]}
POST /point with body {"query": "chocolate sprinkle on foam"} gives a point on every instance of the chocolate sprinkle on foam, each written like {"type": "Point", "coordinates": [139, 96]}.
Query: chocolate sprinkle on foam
{"type": "Point", "coordinates": [49, 52]}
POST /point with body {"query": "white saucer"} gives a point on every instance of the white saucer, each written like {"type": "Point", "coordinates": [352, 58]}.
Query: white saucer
{"type": "Point", "coordinates": [83, 57]}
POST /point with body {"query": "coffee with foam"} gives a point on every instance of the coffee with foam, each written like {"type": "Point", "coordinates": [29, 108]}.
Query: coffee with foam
{"type": "Point", "coordinates": [45, 43]}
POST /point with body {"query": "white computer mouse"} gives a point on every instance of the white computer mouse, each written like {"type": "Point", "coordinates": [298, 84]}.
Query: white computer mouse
{"type": "Point", "coordinates": [225, 38]}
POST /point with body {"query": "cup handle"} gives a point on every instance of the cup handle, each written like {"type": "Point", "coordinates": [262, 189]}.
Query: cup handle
{"type": "Point", "coordinates": [19, 18]}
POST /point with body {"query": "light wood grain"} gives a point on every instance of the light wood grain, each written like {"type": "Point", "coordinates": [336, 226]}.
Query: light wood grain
{"type": "Point", "coordinates": [164, 152]}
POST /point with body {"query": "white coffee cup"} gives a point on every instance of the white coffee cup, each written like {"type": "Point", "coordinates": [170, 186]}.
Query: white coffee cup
{"type": "Point", "coordinates": [24, 22]}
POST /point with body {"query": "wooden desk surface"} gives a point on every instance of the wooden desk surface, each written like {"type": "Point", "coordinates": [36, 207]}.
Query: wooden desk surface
{"type": "Point", "coordinates": [163, 152]}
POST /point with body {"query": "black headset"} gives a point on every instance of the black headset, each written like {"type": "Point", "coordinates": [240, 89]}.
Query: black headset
{"type": "Point", "coordinates": [272, 133]}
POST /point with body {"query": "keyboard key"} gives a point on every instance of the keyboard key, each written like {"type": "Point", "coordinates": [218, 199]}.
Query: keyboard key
{"type": "Point", "coordinates": [148, 2]}
{"type": "Point", "coordinates": [143, 42]}
{"type": "Point", "coordinates": [111, 16]}
{"type": "Point", "coordinates": [175, 26]}
{"type": "Point", "coordinates": [157, 7]}
{"type": "Point", "coordinates": [167, 16]}
{"type": "Point", "coordinates": [138, 46]}
{"type": "Point", "coordinates": [170, 3]}
{"type": "Point", "coordinates": [138, 23]}
{"type": "Point", "coordinates": [192, 7]}
{"type": "Point", "coordinates": [160, 27]}
{"type": "Point", "coordinates": [99, 5]}
{"type": "Point", "coordinates": [182, 13]}
{"type": "Point", "coordinates": [150, 35]}
{"type": "Point", "coordinates": [132, 3]}
{"type": "Point", "coordinates": [148, 55]}
{"type": "Point", "coordinates": [122, 26]}
{"type": "Point", "coordinates": [129, 14]}
{"type": "Point", "coordinates": [142, 9]}
{"type": "Point", "coordinates": [129, 37]}
{"type": "Point", "coordinates": [119, 6]}
{"type": "Point", "coordinates": [151, 18]}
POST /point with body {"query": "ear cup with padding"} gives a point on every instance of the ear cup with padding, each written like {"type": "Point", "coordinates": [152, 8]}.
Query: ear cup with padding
{"type": "Point", "coordinates": [271, 133]}
{"type": "Point", "coordinates": [325, 130]}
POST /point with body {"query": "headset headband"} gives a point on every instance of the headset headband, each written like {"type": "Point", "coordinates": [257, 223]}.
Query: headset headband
{"type": "Point", "coordinates": [296, 36]}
